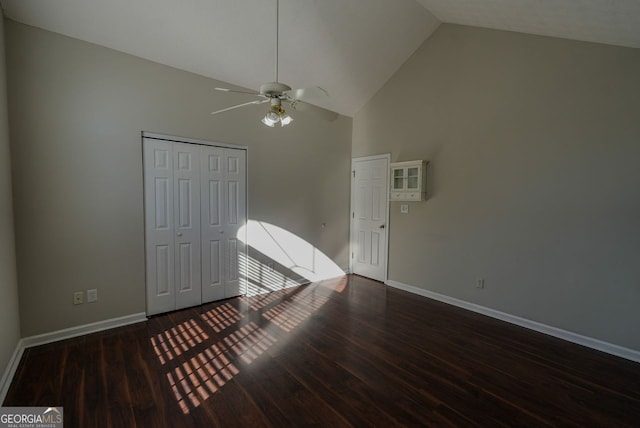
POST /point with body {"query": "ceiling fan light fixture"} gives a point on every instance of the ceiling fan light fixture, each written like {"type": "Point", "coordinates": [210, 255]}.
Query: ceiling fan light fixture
{"type": "Point", "coordinates": [285, 119]}
{"type": "Point", "coordinates": [276, 114]}
{"type": "Point", "coordinates": [268, 122]}
{"type": "Point", "coordinates": [271, 118]}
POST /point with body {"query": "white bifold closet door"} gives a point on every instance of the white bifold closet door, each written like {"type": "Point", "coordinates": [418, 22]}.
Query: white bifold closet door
{"type": "Point", "coordinates": [224, 210]}
{"type": "Point", "coordinates": [195, 206]}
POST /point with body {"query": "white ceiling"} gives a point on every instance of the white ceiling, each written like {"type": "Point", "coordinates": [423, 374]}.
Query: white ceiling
{"type": "Point", "coordinates": [349, 47]}
{"type": "Point", "coordinates": [614, 22]}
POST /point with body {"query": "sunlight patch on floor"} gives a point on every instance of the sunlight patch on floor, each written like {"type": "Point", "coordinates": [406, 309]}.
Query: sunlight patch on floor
{"type": "Point", "coordinates": [221, 317]}
{"type": "Point", "coordinates": [280, 260]}
{"type": "Point", "coordinates": [290, 313]}
{"type": "Point", "coordinates": [173, 342]}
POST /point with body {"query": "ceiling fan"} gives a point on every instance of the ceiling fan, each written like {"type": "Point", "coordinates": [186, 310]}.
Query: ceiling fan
{"type": "Point", "coordinates": [276, 94]}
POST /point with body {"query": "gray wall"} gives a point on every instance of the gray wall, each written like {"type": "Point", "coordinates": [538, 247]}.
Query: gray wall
{"type": "Point", "coordinates": [9, 320]}
{"type": "Point", "coordinates": [534, 177]}
{"type": "Point", "coordinates": [76, 113]}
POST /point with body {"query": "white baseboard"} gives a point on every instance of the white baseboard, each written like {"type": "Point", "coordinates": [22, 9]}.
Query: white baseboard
{"type": "Point", "coordinates": [10, 371]}
{"type": "Point", "coordinates": [81, 330]}
{"type": "Point", "coordinates": [609, 348]}
{"type": "Point", "coordinates": [55, 336]}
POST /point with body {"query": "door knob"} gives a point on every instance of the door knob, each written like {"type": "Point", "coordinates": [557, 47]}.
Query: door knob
{"type": "Point", "coordinates": [221, 232]}
{"type": "Point", "coordinates": [382, 227]}
{"type": "Point", "coordinates": [179, 233]}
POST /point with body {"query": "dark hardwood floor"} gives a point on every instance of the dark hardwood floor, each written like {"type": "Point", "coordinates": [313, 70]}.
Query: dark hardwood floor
{"type": "Point", "coordinates": [346, 352]}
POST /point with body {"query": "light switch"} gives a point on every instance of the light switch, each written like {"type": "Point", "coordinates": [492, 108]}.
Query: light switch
{"type": "Point", "coordinates": [404, 208]}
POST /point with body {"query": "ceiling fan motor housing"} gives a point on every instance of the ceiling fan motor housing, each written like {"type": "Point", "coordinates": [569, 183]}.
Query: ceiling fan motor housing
{"type": "Point", "coordinates": [274, 89]}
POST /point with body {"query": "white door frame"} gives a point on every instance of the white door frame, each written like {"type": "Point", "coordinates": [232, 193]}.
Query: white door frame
{"type": "Point", "coordinates": [177, 139]}
{"type": "Point", "coordinates": [387, 157]}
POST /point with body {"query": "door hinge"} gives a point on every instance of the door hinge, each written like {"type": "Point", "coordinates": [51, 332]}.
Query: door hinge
{"type": "Point", "coordinates": [353, 214]}
{"type": "Point", "coordinates": [352, 254]}
{"type": "Point", "coordinates": [354, 174]}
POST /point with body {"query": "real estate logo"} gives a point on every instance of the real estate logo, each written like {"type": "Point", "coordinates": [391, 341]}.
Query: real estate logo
{"type": "Point", "coordinates": [31, 417]}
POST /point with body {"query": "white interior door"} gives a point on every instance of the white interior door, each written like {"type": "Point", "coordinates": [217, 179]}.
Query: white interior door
{"type": "Point", "coordinates": [159, 226]}
{"type": "Point", "coordinates": [369, 216]}
{"type": "Point", "coordinates": [195, 211]}
{"type": "Point", "coordinates": [224, 213]}
{"type": "Point", "coordinates": [186, 185]}
{"type": "Point", "coordinates": [212, 191]}
{"type": "Point", "coordinates": [235, 218]}
{"type": "Point", "coordinates": [172, 225]}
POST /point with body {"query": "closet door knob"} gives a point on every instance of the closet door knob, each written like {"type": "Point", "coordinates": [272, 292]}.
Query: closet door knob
{"type": "Point", "coordinates": [179, 233]}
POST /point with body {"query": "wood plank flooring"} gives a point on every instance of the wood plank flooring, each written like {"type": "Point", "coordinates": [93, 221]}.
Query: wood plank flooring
{"type": "Point", "coordinates": [345, 352]}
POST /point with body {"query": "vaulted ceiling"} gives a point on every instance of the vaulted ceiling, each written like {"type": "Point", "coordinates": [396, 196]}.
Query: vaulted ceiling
{"type": "Point", "coordinates": [348, 47]}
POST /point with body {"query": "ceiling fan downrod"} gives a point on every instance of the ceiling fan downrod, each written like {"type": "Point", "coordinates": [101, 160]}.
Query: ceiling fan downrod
{"type": "Point", "coordinates": [277, 34]}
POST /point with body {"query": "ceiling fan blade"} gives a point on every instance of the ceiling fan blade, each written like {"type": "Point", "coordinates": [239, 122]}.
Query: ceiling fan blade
{"type": "Point", "coordinates": [239, 105]}
{"type": "Point", "coordinates": [238, 92]}
{"type": "Point", "coordinates": [325, 114]}
{"type": "Point", "coordinates": [307, 93]}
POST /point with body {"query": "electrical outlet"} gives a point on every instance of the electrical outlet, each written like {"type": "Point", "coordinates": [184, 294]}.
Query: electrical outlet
{"type": "Point", "coordinates": [480, 283]}
{"type": "Point", "coordinates": [92, 295]}
{"type": "Point", "coordinates": [404, 209]}
{"type": "Point", "coordinates": [78, 298]}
